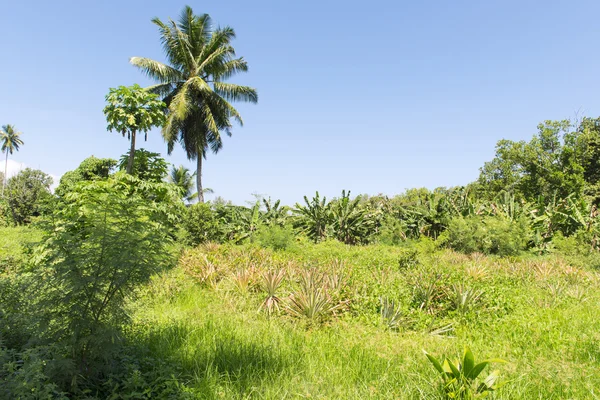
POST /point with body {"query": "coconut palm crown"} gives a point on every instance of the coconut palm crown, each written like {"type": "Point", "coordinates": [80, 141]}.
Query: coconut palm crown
{"type": "Point", "coordinates": [192, 84]}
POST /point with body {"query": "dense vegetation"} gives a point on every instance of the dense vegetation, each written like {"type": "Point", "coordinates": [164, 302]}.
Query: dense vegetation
{"type": "Point", "coordinates": [118, 286]}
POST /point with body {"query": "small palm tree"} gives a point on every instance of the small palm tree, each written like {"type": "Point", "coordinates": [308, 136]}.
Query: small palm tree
{"type": "Point", "coordinates": [183, 179]}
{"type": "Point", "coordinates": [193, 85]}
{"type": "Point", "coordinates": [10, 143]}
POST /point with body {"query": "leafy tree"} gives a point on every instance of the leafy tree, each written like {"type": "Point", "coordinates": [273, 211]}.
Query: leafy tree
{"type": "Point", "coordinates": [587, 144]}
{"type": "Point", "coordinates": [194, 87]}
{"type": "Point", "coordinates": [184, 180]}
{"type": "Point", "coordinates": [147, 166]}
{"type": "Point", "coordinates": [11, 142]}
{"type": "Point", "coordinates": [92, 168]}
{"type": "Point", "coordinates": [546, 166]}
{"type": "Point", "coordinates": [28, 195]}
{"type": "Point", "coordinates": [107, 240]}
{"type": "Point", "coordinates": [131, 110]}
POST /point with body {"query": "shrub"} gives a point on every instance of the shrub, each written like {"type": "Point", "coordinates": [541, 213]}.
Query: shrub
{"type": "Point", "coordinates": [488, 235]}
{"type": "Point", "coordinates": [109, 237]}
{"type": "Point", "coordinates": [92, 168]}
{"type": "Point", "coordinates": [200, 224]}
{"type": "Point", "coordinates": [276, 237]}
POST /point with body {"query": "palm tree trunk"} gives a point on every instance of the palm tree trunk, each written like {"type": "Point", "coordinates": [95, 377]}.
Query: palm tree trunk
{"type": "Point", "coordinates": [5, 171]}
{"type": "Point", "coordinates": [131, 154]}
{"type": "Point", "coordinates": [199, 178]}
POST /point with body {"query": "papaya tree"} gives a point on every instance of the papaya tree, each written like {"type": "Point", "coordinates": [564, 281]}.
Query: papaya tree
{"type": "Point", "coordinates": [131, 110]}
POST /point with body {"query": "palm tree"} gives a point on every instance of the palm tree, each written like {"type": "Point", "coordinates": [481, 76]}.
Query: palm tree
{"type": "Point", "coordinates": [183, 179]}
{"type": "Point", "coordinates": [193, 85]}
{"type": "Point", "coordinates": [10, 142]}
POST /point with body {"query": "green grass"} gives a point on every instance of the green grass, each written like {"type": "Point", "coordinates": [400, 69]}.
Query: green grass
{"type": "Point", "coordinates": [537, 313]}
{"type": "Point", "coordinates": [14, 243]}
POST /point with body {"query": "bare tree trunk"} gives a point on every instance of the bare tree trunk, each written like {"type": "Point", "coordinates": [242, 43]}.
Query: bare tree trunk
{"type": "Point", "coordinates": [131, 154]}
{"type": "Point", "coordinates": [199, 178]}
{"type": "Point", "coordinates": [5, 171]}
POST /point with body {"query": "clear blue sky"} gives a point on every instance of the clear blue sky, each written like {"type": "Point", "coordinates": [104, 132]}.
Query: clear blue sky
{"type": "Point", "coordinates": [374, 97]}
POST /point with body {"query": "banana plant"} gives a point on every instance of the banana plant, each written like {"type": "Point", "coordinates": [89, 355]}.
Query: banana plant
{"type": "Point", "coordinates": [314, 218]}
{"type": "Point", "coordinates": [275, 213]}
{"type": "Point", "coordinates": [460, 378]}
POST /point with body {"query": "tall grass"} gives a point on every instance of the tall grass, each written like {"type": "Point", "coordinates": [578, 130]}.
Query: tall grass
{"type": "Point", "coordinates": [220, 347]}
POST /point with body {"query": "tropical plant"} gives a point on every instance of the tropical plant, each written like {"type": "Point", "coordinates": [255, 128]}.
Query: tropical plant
{"type": "Point", "coordinates": [391, 314]}
{"type": "Point", "coordinates": [313, 219]}
{"type": "Point", "coordinates": [351, 221]}
{"type": "Point", "coordinates": [131, 110]}
{"type": "Point", "coordinates": [184, 180]}
{"type": "Point", "coordinates": [426, 291]}
{"type": "Point", "coordinates": [275, 213]}
{"type": "Point", "coordinates": [460, 377]}
{"type": "Point", "coordinates": [464, 298]}
{"type": "Point", "coordinates": [312, 301]}
{"type": "Point", "coordinates": [202, 269]}
{"type": "Point", "coordinates": [11, 141]}
{"type": "Point", "coordinates": [147, 165]}
{"type": "Point", "coordinates": [193, 85]}
{"type": "Point", "coordinates": [271, 281]}
{"type": "Point", "coordinates": [241, 280]}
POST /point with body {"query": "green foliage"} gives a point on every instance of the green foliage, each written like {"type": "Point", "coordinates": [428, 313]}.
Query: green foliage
{"type": "Point", "coordinates": [193, 87]}
{"type": "Point", "coordinates": [184, 180]}
{"type": "Point", "coordinates": [409, 258]}
{"type": "Point", "coordinates": [391, 314]}
{"type": "Point", "coordinates": [11, 141]}
{"type": "Point", "coordinates": [313, 301]}
{"type": "Point", "coordinates": [464, 299]}
{"type": "Point", "coordinates": [351, 221]}
{"type": "Point", "coordinates": [276, 237]}
{"type": "Point", "coordinates": [131, 110]}
{"type": "Point", "coordinates": [460, 377]}
{"type": "Point", "coordinates": [200, 224]}
{"type": "Point", "coordinates": [488, 235]}
{"type": "Point", "coordinates": [92, 168]}
{"type": "Point", "coordinates": [546, 166]}
{"type": "Point", "coordinates": [28, 195]}
{"type": "Point", "coordinates": [109, 238]}
{"type": "Point", "coordinates": [271, 282]}
{"type": "Point", "coordinates": [314, 218]}
{"type": "Point", "coordinates": [147, 166]}
{"type": "Point", "coordinates": [23, 376]}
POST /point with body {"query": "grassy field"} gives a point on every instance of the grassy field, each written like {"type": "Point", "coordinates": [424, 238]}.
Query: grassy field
{"type": "Point", "coordinates": [207, 324]}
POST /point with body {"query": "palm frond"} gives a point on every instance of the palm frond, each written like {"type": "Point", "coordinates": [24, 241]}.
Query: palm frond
{"type": "Point", "coordinates": [233, 92]}
{"type": "Point", "coordinates": [157, 70]}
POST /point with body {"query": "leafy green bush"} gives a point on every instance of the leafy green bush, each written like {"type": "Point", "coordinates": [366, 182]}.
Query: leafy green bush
{"type": "Point", "coordinates": [200, 224]}
{"type": "Point", "coordinates": [488, 235]}
{"type": "Point", "coordinates": [92, 168]}
{"type": "Point", "coordinates": [23, 375]}
{"type": "Point", "coordinates": [147, 166]}
{"type": "Point", "coordinates": [276, 237]}
{"type": "Point", "coordinates": [107, 239]}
